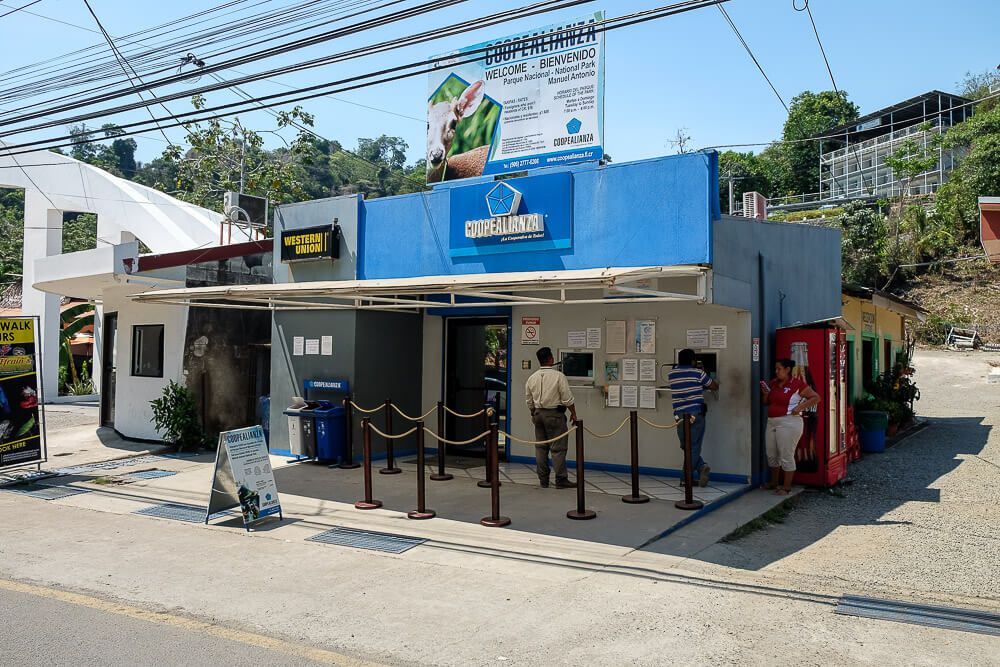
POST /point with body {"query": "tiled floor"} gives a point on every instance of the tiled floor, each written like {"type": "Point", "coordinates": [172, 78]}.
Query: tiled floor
{"type": "Point", "coordinates": [599, 481]}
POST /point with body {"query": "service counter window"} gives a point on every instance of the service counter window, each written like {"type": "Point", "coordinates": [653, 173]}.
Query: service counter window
{"type": "Point", "coordinates": [147, 350]}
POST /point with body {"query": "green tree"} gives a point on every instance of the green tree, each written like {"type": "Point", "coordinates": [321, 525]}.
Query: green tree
{"type": "Point", "coordinates": [118, 157]}
{"type": "Point", "coordinates": [976, 175]}
{"type": "Point", "coordinates": [864, 242]}
{"type": "Point", "coordinates": [810, 114]}
{"type": "Point", "coordinates": [976, 86]}
{"type": "Point", "coordinates": [750, 173]}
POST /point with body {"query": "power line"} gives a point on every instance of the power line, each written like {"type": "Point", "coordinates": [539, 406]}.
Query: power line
{"type": "Point", "coordinates": [808, 11]}
{"type": "Point", "coordinates": [17, 9]}
{"type": "Point", "coordinates": [126, 67]}
{"type": "Point", "coordinates": [381, 47]}
{"type": "Point", "coordinates": [752, 56]}
{"type": "Point", "coordinates": [280, 49]}
{"type": "Point", "coordinates": [393, 73]}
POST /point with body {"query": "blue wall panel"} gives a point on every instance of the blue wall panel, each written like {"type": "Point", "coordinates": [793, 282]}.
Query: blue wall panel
{"type": "Point", "coordinates": [648, 213]}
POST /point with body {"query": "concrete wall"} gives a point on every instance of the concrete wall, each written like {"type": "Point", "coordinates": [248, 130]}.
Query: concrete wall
{"type": "Point", "coordinates": [727, 440]}
{"type": "Point", "coordinates": [288, 371]}
{"type": "Point", "coordinates": [784, 274]}
{"type": "Point", "coordinates": [133, 394]}
{"type": "Point", "coordinates": [727, 444]}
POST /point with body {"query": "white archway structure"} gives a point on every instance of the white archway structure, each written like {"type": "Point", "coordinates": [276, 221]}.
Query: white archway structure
{"type": "Point", "coordinates": [54, 184]}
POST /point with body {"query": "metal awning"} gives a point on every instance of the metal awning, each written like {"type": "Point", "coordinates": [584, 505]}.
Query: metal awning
{"type": "Point", "coordinates": [615, 285]}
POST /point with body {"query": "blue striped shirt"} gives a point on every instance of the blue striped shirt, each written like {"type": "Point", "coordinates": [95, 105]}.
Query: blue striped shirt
{"type": "Point", "coordinates": [687, 385]}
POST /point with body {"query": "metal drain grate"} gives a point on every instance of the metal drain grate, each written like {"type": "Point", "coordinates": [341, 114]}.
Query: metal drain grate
{"type": "Point", "coordinates": [150, 474]}
{"type": "Point", "coordinates": [176, 512]}
{"type": "Point", "coordinates": [365, 539]}
{"type": "Point", "coordinates": [44, 492]}
{"type": "Point", "coordinates": [951, 618]}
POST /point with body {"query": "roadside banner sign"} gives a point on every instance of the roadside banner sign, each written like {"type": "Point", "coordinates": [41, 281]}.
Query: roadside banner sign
{"type": "Point", "coordinates": [530, 100]}
{"type": "Point", "coordinates": [243, 477]}
{"type": "Point", "coordinates": [22, 425]}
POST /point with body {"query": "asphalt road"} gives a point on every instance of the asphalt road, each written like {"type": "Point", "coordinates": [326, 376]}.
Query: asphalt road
{"type": "Point", "coordinates": [38, 630]}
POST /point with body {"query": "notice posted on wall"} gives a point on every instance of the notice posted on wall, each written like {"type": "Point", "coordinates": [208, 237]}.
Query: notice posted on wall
{"type": "Point", "coordinates": [630, 396]}
{"type": "Point", "coordinates": [615, 338]}
{"type": "Point", "coordinates": [612, 371]}
{"type": "Point", "coordinates": [593, 338]}
{"type": "Point", "coordinates": [718, 337]}
{"type": "Point", "coordinates": [647, 370]}
{"type": "Point", "coordinates": [523, 101]}
{"type": "Point", "coordinates": [298, 346]}
{"type": "Point", "coordinates": [697, 339]}
{"type": "Point", "coordinates": [243, 477]}
{"type": "Point", "coordinates": [312, 346]}
{"type": "Point", "coordinates": [647, 398]}
{"type": "Point", "coordinates": [21, 432]}
{"type": "Point", "coordinates": [630, 370]}
{"type": "Point", "coordinates": [326, 346]}
{"type": "Point", "coordinates": [645, 336]}
{"type": "Point", "coordinates": [614, 395]}
{"type": "Point", "coordinates": [576, 340]}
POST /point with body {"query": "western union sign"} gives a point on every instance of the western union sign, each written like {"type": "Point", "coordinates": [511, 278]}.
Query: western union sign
{"type": "Point", "coordinates": [321, 242]}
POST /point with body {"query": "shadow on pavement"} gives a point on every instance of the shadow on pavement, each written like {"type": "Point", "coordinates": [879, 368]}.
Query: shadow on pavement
{"type": "Point", "coordinates": [882, 483]}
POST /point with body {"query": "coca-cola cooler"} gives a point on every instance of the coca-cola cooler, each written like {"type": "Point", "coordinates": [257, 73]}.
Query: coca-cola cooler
{"type": "Point", "coordinates": [820, 354]}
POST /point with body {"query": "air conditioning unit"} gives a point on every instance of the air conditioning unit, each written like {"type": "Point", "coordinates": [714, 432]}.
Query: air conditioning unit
{"type": "Point", "coordinates": [247, 214]}
{"type": "Point", "coordinates": [754, 205]}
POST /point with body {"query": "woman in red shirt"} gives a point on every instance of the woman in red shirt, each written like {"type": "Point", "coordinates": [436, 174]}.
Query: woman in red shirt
{"type": "Point", "coordinates": [786, 397]}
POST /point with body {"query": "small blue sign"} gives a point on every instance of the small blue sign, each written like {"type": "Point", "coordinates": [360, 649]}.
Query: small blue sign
{"type": "Point", "coordinates": [341, 386]}
{"type": "Point", "coordinates": [515, 215]}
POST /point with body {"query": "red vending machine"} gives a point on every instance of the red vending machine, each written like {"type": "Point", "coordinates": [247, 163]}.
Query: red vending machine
{"type": "Point", "coordinates": [820, 354]}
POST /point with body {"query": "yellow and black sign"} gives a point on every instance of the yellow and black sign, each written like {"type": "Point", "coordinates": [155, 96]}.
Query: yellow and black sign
{"type": "Point", "coordinates": [321, 242]}
{"type": "Point", "coordinates": [22, 439]}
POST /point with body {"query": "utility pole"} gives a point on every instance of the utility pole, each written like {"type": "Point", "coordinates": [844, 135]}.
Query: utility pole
{"type": "Point", "coordinates": [731, 179]}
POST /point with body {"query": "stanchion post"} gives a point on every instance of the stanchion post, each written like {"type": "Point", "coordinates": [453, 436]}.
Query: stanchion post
{"type": "Point", "coordinates": [494, 520]}
{"type": "Point", "coordinates": [689, 503]}
{"type": "Point", "coordinates": [488, 482]}
{"type": "Point", "coordinates": [421, 512]}
{"type": "Point", "coordinates": [390, 456]}
{"type": "Point", "coordinates": [366, 437]}
{"type": "Point", "coordinates": [441, 475]}
{"type": "Point", "coordinates": [347, 460]}
{"type": "Point", "coordinates": [636, 497]}
{"type": "Point", "coordinates": [581, 512]}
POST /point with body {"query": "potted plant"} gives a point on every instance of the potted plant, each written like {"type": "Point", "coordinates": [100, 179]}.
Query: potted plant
{"type": "Point", "coordinates": [175, 416]}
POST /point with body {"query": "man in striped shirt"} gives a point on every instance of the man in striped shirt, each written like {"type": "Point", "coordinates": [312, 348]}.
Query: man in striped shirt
{"type": "Point", "coordinates": [687, 390]}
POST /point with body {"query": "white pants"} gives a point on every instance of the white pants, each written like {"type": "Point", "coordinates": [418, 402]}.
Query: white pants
{"type": "Point", "coordinates": [781, 438]}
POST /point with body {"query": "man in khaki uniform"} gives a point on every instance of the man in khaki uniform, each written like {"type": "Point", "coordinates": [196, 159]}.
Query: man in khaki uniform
{"type": "Point", "coordinates": [548, 396]}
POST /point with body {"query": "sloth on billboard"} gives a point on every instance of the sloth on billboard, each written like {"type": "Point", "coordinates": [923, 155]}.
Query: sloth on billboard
{"type": "Point", "coordinates": [521, 102]}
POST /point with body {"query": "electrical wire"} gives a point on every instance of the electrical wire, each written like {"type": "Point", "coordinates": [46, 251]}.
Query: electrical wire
{"type": "Point", "coordinates": [752, 56]}
{"type": "Point", "coordinates": [381, 47]}
{"type": "Point", "coordinates": [126, 67]}
{"type": "Point", "coordinates": [17, 9]}
{"type": "Point", "coordinates": [808, 11]}
{"type": "Point", "coordinates": [428, 66]}
{"type": "Point", "coordinates": [273, 51]}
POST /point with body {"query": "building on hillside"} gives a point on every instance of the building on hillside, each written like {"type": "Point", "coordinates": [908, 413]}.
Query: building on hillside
{"type": "Point", "coordinates": [877, 339]}
{"type": "Point", "coordinates": [856, 167]}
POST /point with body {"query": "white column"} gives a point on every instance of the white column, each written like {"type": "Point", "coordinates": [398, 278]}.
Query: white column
{"type": "Point", "coordinates": [42, 238]}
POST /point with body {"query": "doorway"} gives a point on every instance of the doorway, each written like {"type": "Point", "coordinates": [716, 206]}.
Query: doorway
{"type": "Point", "coordinates": [109, 367]}
{"type": "Point", "coordinates": [868, 369]}
{"type": "Point", "coordinates": [476, 373]}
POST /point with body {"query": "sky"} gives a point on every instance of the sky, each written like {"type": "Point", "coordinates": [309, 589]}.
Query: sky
{"type": "Point", "coordinates": [684, 72]}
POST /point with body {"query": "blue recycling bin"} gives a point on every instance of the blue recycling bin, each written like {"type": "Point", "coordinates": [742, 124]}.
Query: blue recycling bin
{"type": "Point", "coordinates": [330, 425]}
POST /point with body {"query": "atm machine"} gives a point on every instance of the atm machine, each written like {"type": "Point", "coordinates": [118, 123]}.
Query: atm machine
{"type": "Point", "coordinates": [819, 351]}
